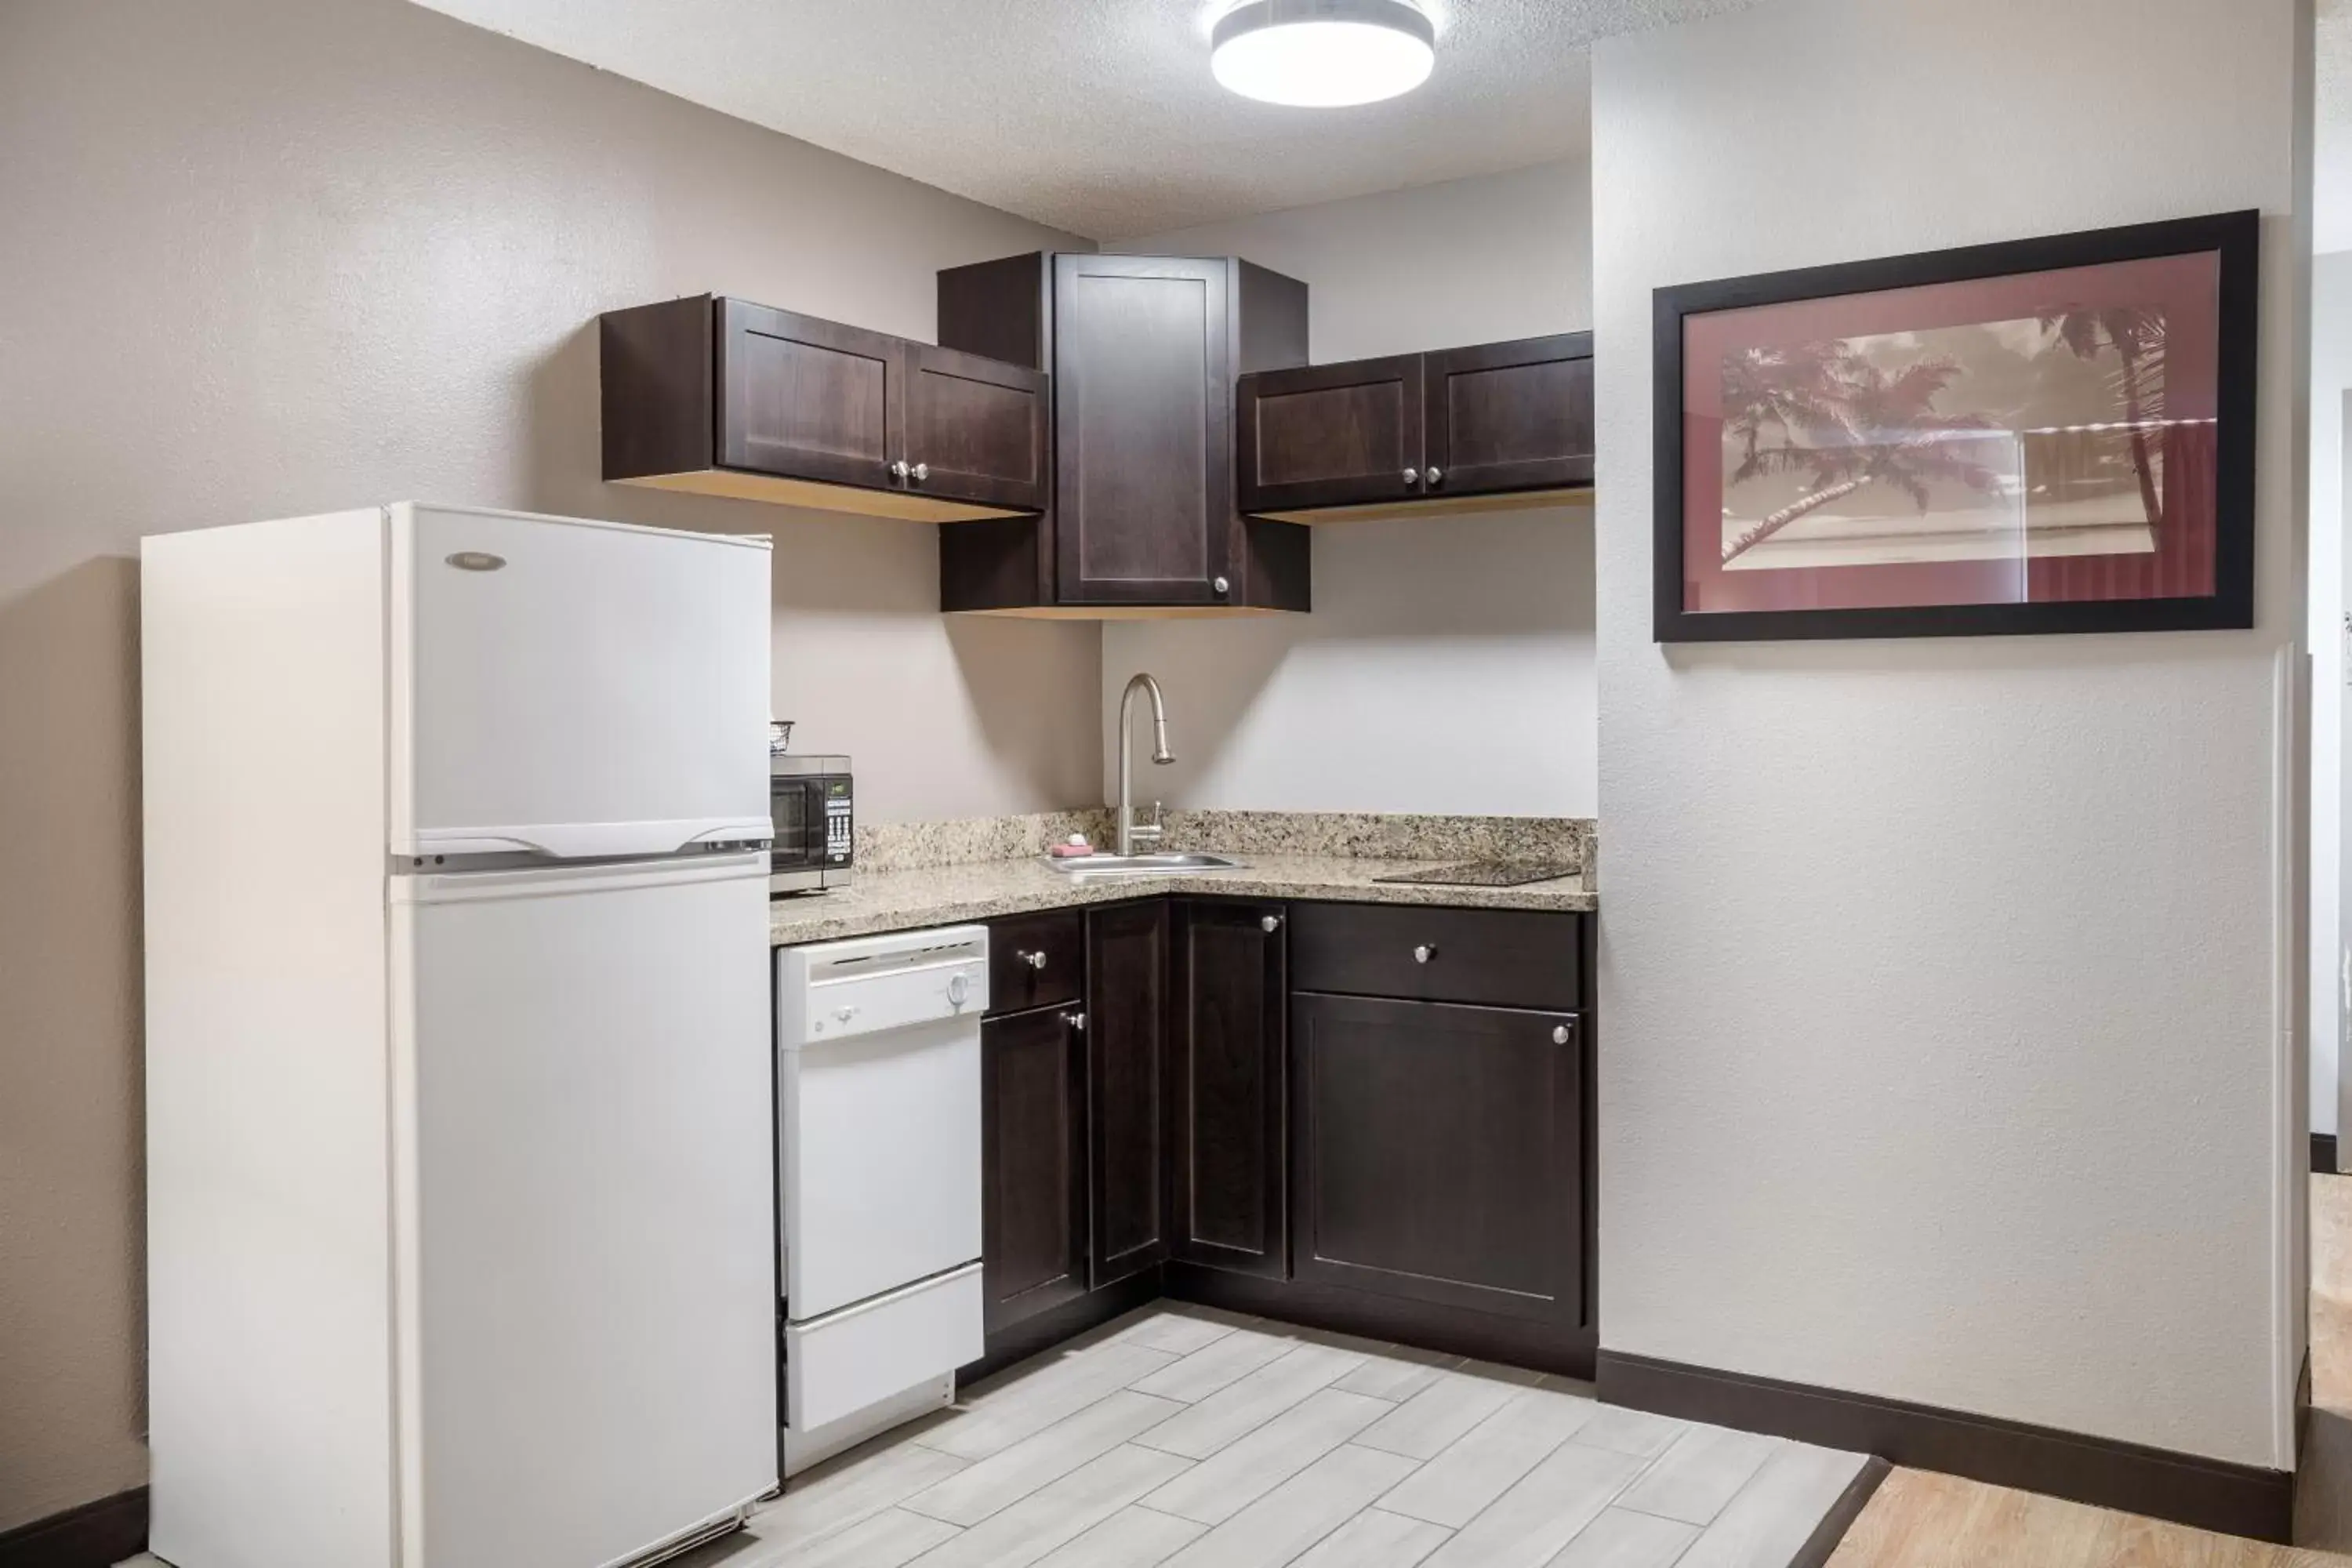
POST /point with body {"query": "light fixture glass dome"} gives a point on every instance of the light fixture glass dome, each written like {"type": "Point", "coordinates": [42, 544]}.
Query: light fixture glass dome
{"type": "Point", "coordinates": [1323, 54]}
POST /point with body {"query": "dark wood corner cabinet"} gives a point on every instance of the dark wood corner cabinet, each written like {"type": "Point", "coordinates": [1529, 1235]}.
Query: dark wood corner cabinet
{"type": "Point", "coordinates": [1493, 427]}
{"type": "Point", "coordinates": [1375, 1118]}
{"type": "Point", "coordinates": [725, 397]}
{"type": "Point", "coordinates": [1143, 519]}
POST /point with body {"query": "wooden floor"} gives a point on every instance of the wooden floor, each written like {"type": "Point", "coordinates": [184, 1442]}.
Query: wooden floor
{"type": "Point", "coordinates": [1923, 1520]}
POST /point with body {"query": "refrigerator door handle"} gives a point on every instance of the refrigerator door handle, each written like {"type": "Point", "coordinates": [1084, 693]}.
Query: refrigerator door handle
{"type": "Point", "coordinates": [589, 840]}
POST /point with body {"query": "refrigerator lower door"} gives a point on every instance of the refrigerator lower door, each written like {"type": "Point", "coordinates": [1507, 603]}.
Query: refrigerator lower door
{"type": "Point", "coordinates": [584, 1221]}
{"type": "Point", "coordinates": [573, 688]}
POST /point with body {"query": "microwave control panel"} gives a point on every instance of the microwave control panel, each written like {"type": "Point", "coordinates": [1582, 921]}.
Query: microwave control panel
{"type": "Point", "coordinates": [838, 823]}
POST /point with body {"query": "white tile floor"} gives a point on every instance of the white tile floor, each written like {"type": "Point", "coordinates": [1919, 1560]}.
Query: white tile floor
{"type": "Point", "coordinates": [1196, 1438]}
{"type": "Point", "coordinates": [1201, 1439]}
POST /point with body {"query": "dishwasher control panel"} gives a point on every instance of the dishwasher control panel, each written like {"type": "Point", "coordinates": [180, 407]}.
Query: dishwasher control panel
{"type": "Point", "coordinates": [841, 990]}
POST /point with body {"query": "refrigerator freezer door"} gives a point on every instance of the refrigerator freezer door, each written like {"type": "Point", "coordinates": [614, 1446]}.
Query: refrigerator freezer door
{"type": "Point", "coordinates": [583, 1225]}
{"type": "Point", "coordinates": [576, 689]}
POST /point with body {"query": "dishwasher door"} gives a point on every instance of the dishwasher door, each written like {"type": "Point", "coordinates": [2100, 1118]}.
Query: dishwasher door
{"type": "Point", "coordinates": [878, 1077]}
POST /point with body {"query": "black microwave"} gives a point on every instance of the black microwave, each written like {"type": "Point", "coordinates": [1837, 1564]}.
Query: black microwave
{"type": "Point", "coordinates": [812, 806]}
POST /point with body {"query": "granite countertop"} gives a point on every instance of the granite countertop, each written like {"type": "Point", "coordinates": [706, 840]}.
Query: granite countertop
{"type": "Point", "coordinates": [900, 900]}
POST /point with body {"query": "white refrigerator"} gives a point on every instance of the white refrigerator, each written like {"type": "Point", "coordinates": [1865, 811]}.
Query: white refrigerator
{"type": "Point", "coordinates": [459, 1154]}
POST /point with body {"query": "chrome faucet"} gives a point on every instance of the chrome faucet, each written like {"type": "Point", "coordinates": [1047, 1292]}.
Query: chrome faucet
{"type": "Point", "coordinates": [1129, 833]}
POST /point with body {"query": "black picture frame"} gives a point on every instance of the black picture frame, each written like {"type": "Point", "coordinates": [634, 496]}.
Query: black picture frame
{"type": "Point", "coordinates": [2235, 238]}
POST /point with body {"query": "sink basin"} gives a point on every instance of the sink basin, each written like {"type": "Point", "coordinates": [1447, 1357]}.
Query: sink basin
{"type": "Point", "coordinates": [1142, 865]}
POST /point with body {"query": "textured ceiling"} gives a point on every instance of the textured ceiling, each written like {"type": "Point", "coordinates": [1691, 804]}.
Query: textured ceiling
{"type": "Point", "coordinates": [1095, 116]}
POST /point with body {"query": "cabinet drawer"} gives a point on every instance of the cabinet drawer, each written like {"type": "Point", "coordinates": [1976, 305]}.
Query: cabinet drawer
{"type": "Point", "coordinates": [1036, 961]}
{"type": "Point", "coordinates": [1504, 958]}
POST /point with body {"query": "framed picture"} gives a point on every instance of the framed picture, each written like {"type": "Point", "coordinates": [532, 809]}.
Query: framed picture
{"type": "Point", "coordinates": [2055, 435]}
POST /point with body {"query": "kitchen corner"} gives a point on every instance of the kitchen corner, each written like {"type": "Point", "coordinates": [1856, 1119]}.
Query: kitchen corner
{"type": "Point", "coordinates": [940, 873]}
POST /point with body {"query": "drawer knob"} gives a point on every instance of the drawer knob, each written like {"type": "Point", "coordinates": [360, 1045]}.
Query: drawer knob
{"type": "Point", "coordinates": [1412, 475]}
{"type": "Point", "coordinates": [1075, 1021]}
{"type": "Point", "coordinates": [1034, 960]}
{"type": "Point", "coordinates": [1270, 925]}
{"type": "Point", "coordinates": [898, 469]}
{"type": "Point", "coordinates": [1435, 476]}
{"type": "Point", "coordinates": [1424, 953]}
{"type": "Point", "coordinates": [1559, 1033]}
{"type": "Point", "coordinates": [919, 472]}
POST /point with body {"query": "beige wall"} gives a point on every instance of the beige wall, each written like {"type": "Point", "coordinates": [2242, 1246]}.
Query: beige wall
{"type": "Point", "coordinates": [1951, 984]}
{"type": "Point", "coordinates": [1448, 665]}
{"type": "Point", "coordinates": [267, 257]}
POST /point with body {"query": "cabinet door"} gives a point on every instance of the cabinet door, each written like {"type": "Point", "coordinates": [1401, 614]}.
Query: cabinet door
{"type": "Point", "coordinates": [1227, 1067]}
{"type": "Point", "coordinates": [1127, 1077]}
{"type": "Point", "coordinates": [1511, 416]}
{"type": "Point", "coordinates": [975, 428]}
{"type": "Point", "coordinates": [1032, 1157]}
{"type": "Point", "coordinates": [1329, 435]}
{"type": "Point", "coordinates": [807, 399]}
{"type": "Point", "coordinates": [1143, 437]}
{"type": "Point", "coordinates": [1438, 1153]}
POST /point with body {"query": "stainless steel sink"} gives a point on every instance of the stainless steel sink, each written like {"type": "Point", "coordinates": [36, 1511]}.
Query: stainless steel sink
{"type": "Point", "coordinates": [1142, 865]}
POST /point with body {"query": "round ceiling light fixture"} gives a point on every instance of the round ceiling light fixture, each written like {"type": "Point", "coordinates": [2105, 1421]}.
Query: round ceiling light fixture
{"type": "Point", "coordinates": [1323, 54]}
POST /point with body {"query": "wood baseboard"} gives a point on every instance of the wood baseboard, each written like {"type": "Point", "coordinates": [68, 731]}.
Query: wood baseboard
{"type": "Point", "coordinates": [95, 1535]}
{"type": "Point", "coordinates": [2211, 1494]}
{"type": "Point", "coordinates": [2323, 1154]}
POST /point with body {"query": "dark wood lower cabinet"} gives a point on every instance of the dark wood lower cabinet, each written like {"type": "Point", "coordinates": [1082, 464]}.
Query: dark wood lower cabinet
{"type": "Point", "coordinates": [1437, 1152]}
{"type": "Point", "coordinates": [1126, 1073]}
{"type": "Point", "coordinates": [1227, 1144]}
{"type": "Point", "coordinates": [1414, 1165]}
{"type": "Point", "coordinates": [1032, 1152]}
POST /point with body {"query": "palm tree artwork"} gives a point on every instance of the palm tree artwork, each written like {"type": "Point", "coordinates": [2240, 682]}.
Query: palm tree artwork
{"type": "Point", "coordinates": [1861, 424]}
{"type": "Point", "coordinates": [2137, 336]}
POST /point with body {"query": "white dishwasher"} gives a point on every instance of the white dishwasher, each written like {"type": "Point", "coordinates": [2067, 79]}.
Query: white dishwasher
{"type": "Point", "coordinates": [878, 1081]}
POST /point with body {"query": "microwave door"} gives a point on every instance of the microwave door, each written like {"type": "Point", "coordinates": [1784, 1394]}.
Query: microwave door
{"type": "Point", "coordinates": [797, 807]}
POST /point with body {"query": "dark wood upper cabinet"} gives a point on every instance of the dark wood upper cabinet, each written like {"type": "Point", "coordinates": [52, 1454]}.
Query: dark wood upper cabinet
{"type": "Point", "coordinates": [1144, 352]}
{"type": "Point", "coordinates": [726, 398]}
{"type": "Point", "coordinates": [1510, 416]}
{"type": "Point", "coordinates": [977, 428]}
{"type": "Point", "coordinates": [808, 399]}
{"type": "Point", "coordinates": [1331, 434]}
{"type": "Point", "coordinates": [1498, 425]}
{"type": "Point", "coordinates": [1033, 1149]}
{"type": "Point", "coordinates": [1142, 364]}
{"type": "Point", "coordinates": [1229, 1139]}
{"type": "Point", "coordinates": [1127, 1075]}
{"type": "Point", "coordinates": [1438, 1154]}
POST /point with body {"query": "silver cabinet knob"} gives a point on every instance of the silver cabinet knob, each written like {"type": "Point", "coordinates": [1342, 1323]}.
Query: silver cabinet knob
{"type": "Point", "coordinates": [920, 471]}
{"type": "Point", "coordinates": [1434, 475]}
{"type": "Point", "coordinates": [1075, 1021]}
{"type": "Point", "coordinates": [1559, 1033]}
{"type": "Point", "coordinates": [1270, 925]}
{"type": "Point", "coordinates": [1222, 586]}
{"type": "Point", "coordinates": [1034, 960]}
{"type": "Point", "coordinates": [1424, 953]}
{"type": "Point", "coordinates": [1412, 475]}
{"type": "Point", "coordinates": [898, 469]}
